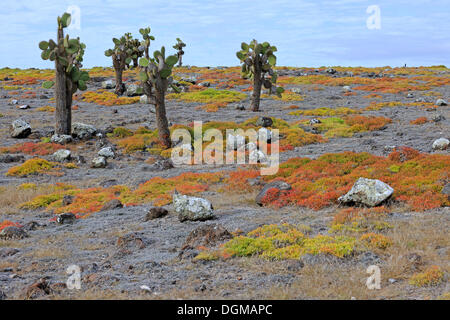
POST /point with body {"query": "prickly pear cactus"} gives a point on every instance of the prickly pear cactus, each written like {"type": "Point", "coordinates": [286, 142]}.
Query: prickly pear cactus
{"type": "Point", "coordinates": [258, 62]}
{"type": "Point", "coordinates": [68, 57]}
{"type": "Point", "coordinates": [122, 55]}
{"type": "Point", "coordinates": [68, 53]}
{"type": "Point", "coordinates": [179, 47]}
{"type": "Point", "coordinates": [156, 73]}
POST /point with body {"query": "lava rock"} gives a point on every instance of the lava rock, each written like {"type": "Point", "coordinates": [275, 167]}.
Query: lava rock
{"type": "Point", "coordinates": [13, 232]}
{"type": "Point", "coordinates": [264, 122]}
{"type": "Point", "coordinates": [279, 185]}
{"type": "Point", "coordinates": [83, 131]}
{"type": "Point", "coordinates": [112, 204]}
{"type": "Point", "coordinates": [65, 218]}
{"type": "Point", "coordinates": [155, 213]}
{"type": "Point", "coordinates": [61, 138]}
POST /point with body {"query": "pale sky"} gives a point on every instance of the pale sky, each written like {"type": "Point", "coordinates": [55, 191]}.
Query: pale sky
{"type": "Point", "coordinates": [307, 33]}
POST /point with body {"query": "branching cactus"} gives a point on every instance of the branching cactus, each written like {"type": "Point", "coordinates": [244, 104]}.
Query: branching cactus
{"type": "Point", "coordinates": [135, 46]}
{"type": "Point", "coordinates": [68, 56]}
{"type": "Point", "coordinates": [156, 73]}
{"type": "Point", "coordinates": [121, 57]}
{"type": "Point", "coordinates": [179, 47]}
{"type": "Point", "coordinates": [258, 62]}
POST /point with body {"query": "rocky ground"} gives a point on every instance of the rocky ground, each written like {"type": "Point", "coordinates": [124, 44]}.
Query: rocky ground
{"type": "Point", "coordinates": [124, 255]}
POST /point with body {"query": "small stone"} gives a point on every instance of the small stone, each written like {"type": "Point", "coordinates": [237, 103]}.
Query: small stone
{"type": "Point", "coordinates": [61, 138]}
{"type": "Point", "coordinates": [112, 204]}
{"type": "Point", "coordinates": [24, 107]}
{"type": "Point", "coordinates": [346, 89]}
{"type": "Point", "coordinates": [441, 102]}
{"type": "Point", "coordinates": [206, 235]}
{"type": "Point", "coordinates": [108, 84]}
{"type": "Point", "coordinates": [20, 129]}
{"type": "Point", "coordinates": [65, 218]}
{"type": "Point", "coordinates": [257, 156]}
{"type": "Point", "coordinates": [441, 144]}
{"type": "Point", "coordinates": [107, 152]}
{"type": "Point", "coordinates": [438, 118]}
{"type": "Point", "coordinates": [205, 84]}
{"type": "Point", "coordinates": [67, 200]}
{"type": "Point", "coordinates": [314, 121]}
{"type": "Point", "coordinates": [98, 162]}
{"type": "Point", "coordinates": [264, 122]}
{"type": "Point", "coordinates": [392, 280]}
{"type": "Point", "coordinates": [62, 155]}
{"type": "Point", "coordinates": [155, 213]}
{"type": "Point", "coordinates": [13, 233]}
{"type": "Point", "coordinates": [83, 131]}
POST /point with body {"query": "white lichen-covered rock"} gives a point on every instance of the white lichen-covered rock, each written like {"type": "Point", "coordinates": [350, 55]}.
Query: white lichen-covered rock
{"type": "Point", "coordinates": [61, 138]}
{"type": "Point", "coordinates": [107, 152]}
{"type": "Point", "coordinates": [192, 208]}
{"type": "Point", "coordinates": [108, 84]}
{"type": "Point", "coordinates": [235, 142]}
{"type": "Point", "coordinates": [83, 131]}
{"type": "Point", "coordinates": [62, 155]}
{"type": "Point", "coordinates": [441, 102]}
{"type": "Point", "coordinates": [441, 144]}
{"type": "Point", "coordinates": [98, 162]}
{"type": "Point", "coordinates": [346, 89]}
{"type": "Point", "coordinates": [133, 90]}
{"type": "Point", "coordinates": [257, 156]}
{"type": "Point", "coordinates": [20, 129]}
{"type": "Point", "coordinates": [369, 192]}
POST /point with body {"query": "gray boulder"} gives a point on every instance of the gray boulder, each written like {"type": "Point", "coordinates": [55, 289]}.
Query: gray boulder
{"type": "Point", "coordinates": [83, 131]}
{"type": "Point", "coordinates": [369, 192]}
{"type": "Point", "coordinates": [61, 138]}
{"type": "Point", "coordinates": [62, 155]}
{"type": "Point", "coordinates": [192, 208]}
{"type": "Point", "coordinates": [108, 84]}
{"type": "Point", "coordinates": [441, 144]}
{"type": "Point", "coordinates": [98, 162]}
{"type": "Point", "coordinates": [20, 129]}
{"type": "Point", "coordinates": [441, 102]}
{"type": "Point", "coordinates": [13, 233]}
{"type": "Point", "coordinates": [133, 90]}
{"type": "Point", "coordinates": [107, 152]}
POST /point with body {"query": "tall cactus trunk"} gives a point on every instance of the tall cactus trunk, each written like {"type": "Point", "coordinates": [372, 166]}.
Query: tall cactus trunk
{"type": "Point", "coordinates": [119, 84]}
{"type": "Point", "coordinates": [257, 85]}
{"type": "Point", "coordinates": [180, 60]}
{"type": "Point", "coordinates": [161, 119]}
{"type": "Point", "coordinates": [63, 97]}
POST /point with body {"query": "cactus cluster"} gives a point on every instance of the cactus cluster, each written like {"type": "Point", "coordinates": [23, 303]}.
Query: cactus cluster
{"type": "Point", "coordinates": [258, 62]}
{"type": "Point", "coordinates": [68, 53]}
{"type": "Point", "coordinates": [179, 47]}
{"type": "Point", "coordinates": [134, 50]}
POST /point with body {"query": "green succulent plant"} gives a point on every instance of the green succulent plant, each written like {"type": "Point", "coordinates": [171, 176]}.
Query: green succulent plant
{"type": "Point", "coordinates": [68, 53]}
{"type": "Point", "coordinates": [258, 62]}
{"type": "Point", "coordinates": [179, 47]}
